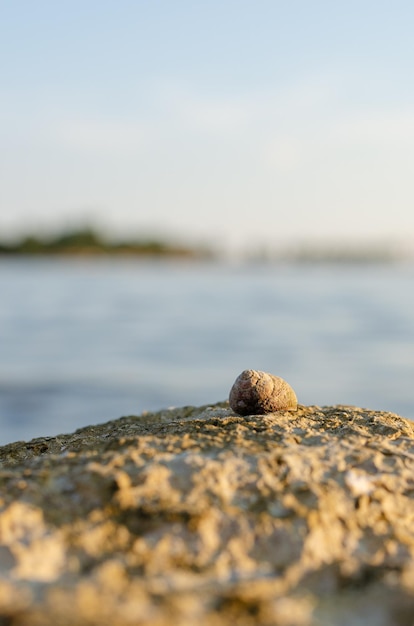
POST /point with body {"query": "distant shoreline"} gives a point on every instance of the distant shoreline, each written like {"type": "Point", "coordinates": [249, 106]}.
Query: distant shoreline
{"type": "Point", "coordinates": [88, 243]}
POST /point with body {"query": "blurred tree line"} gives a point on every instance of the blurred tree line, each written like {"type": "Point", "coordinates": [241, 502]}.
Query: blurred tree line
{"type": "Point", "coordinates": [87, 241]}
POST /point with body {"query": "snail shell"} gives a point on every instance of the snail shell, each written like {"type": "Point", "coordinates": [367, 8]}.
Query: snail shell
{"type": "Point", "coordinates": [257, 393]}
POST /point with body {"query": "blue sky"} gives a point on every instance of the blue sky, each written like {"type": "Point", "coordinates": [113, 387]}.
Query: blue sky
{"type": "Point", "coordinates": [243, 123]}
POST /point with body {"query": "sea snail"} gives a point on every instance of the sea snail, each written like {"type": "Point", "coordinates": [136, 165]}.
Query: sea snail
{"type": "Point", "coordinates": [257, 393]}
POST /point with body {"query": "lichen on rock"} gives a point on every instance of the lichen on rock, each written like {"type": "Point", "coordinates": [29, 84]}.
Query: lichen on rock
{"type": "Point", "coordinates": [199, 516]}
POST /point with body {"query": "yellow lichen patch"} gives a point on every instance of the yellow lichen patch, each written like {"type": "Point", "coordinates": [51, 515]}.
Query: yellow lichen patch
{"type": "Point", "coordinates": [39, 552]}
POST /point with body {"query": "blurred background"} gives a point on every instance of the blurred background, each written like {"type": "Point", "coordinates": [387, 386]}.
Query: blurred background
{"type": "Point", "coordinates": [191, 189]}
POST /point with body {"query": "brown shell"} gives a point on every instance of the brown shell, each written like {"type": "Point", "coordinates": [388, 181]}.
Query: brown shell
{"type": "Point", "coordinates": [257, 393]}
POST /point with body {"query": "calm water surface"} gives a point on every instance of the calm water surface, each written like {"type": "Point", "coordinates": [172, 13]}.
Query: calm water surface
{"type": "Point", "coordinates": [86, 342]}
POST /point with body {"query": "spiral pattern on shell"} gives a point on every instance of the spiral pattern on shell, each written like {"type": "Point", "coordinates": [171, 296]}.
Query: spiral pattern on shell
{"type": "Point", "coordinates": [257, 393]}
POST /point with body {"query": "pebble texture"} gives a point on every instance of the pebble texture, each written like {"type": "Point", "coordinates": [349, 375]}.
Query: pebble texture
{"type": "Point", "coordinates": [199, 516]}
{"type": "Point", "coordinates": [257, 393]}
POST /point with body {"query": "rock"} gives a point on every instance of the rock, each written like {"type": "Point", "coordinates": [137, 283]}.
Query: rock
{"type": "Point", "coordinates": [199, 516]}
{"type": "Point", "coordinates": [257, 393]}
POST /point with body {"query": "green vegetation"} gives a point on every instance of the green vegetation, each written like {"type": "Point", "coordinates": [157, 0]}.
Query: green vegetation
{"type": "Point", "coordinates": [87, 242]}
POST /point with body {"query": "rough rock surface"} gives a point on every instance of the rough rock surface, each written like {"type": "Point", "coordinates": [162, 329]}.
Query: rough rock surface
{"type": "Point", "coordinates": [198, 516]}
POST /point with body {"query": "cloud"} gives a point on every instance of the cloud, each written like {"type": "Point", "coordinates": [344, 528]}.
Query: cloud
{"type": "Point", "coordinates": [173, 112]}
{"type": "Point", "coordinates": [377, 138]}
{"type": "Point", "coordinates": [377, 127]}
{"type": "Point", "coordinates": [102, 135]}
{"type": "Point", "coordinates": [285, 154]}
{"type": "Point", "coordinates": [232, 113]}
{"type": "Point", "coordinates": [198, 112]}
{"type": "Point", "coordinates": [224, 116]}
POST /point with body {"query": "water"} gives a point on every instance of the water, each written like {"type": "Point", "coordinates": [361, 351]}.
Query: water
{"type": "Point", "coordinates": [85, 342]}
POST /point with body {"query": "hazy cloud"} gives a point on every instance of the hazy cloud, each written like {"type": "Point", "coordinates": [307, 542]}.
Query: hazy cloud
{"type": "Point", "coordinates": [377, 127]}
{"type": "Point", "coordinates": [97, 135]}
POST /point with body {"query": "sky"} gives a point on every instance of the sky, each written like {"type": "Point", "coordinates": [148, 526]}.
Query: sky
{"type": "Point", "coordinates": [240, 123]}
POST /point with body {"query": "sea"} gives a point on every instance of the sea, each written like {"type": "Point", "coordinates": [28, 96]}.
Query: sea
{"type": "Point", "coordinates": [89, 340]}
